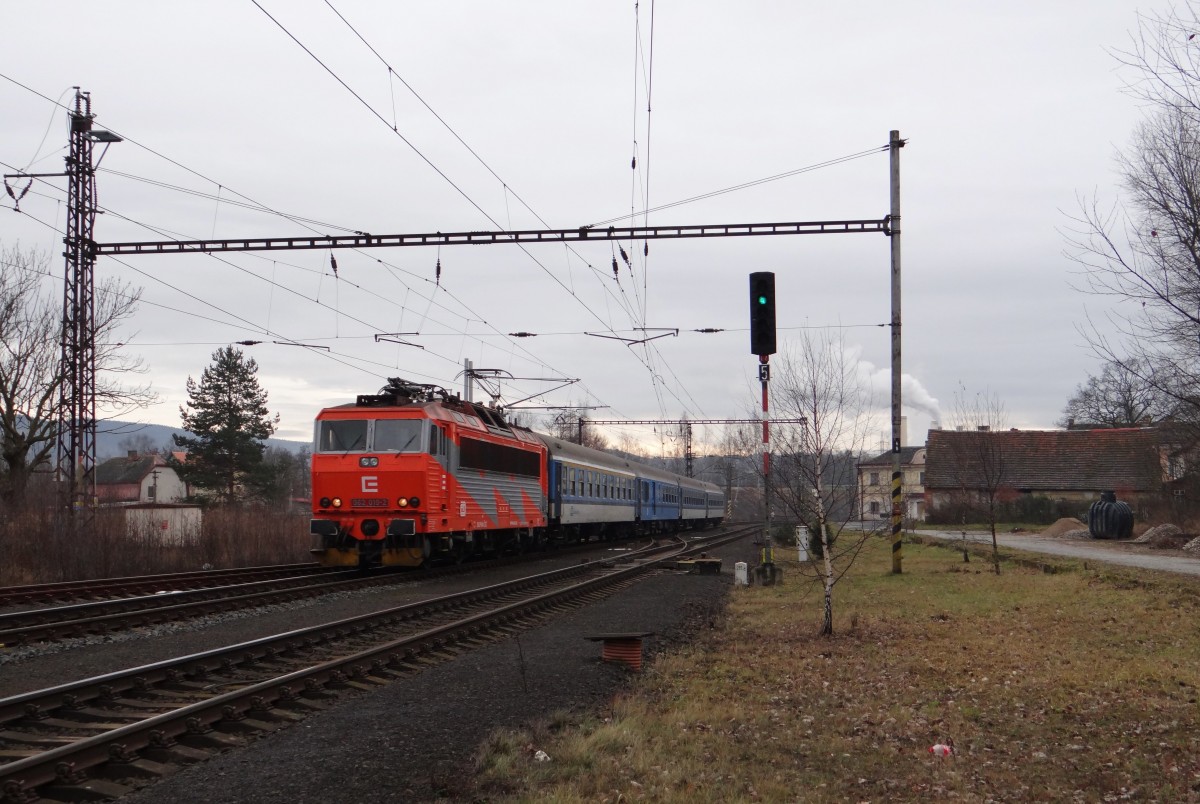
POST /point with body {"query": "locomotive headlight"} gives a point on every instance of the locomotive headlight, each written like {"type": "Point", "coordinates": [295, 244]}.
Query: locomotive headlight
{"type": "Point", "coordinates": [367, 463]}
{"type": "Point", "coordinates": [402, 502]}
{"type": "Point", "coordinates": [337, 502]}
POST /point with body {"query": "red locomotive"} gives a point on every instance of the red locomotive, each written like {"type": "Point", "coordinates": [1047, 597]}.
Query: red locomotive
{"type": "Point", "coordinates": [412, 475]}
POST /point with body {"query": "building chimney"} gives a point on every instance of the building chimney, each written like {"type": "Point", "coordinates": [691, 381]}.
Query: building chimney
{"type": "Point", "coordinates": [983, 428]}
{"type": "Point", "coordinates": [132, 454]}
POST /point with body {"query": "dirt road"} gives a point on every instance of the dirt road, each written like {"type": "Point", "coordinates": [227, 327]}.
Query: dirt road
{"type": "Point", "coordinates": [1125, 553]}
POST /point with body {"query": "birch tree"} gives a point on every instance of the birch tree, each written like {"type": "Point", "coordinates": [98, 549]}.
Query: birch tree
{"type": "Point", "coordinates": [816, 378]}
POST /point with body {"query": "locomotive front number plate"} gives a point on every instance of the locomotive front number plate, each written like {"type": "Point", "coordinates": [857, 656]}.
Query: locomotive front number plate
{"type": "Point", "coordinates": [369, 502]}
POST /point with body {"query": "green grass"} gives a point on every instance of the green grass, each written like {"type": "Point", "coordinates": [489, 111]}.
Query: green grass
{"type": "Point", "coordinates": [1052, 686]}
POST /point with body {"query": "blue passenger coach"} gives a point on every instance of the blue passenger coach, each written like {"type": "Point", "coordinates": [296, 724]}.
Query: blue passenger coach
{"type": "Point", "coordinates": [597, 494]}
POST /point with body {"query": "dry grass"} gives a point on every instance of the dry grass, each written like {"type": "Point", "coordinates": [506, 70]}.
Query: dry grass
{"type": "Point", "coordinates": [1053, 687]}
{"type": "Point", "coordinates": [37, 549]}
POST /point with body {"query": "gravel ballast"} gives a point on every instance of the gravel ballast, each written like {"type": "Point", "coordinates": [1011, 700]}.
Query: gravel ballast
{"type": "Point", "coordinates": [416, 738]}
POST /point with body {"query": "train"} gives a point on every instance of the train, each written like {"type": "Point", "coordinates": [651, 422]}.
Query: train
{"type": "Point", "coordinates": [415, 476]}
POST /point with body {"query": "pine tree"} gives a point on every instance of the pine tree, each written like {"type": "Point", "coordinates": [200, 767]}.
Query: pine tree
{"type": "Point", "coordinates": [227, 413]}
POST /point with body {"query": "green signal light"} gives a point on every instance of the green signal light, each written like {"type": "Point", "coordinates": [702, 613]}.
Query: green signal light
{"type": "Point", "coordinates": [762, 299]}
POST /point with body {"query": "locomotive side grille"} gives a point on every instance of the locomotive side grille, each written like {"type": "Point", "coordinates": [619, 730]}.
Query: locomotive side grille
{"type": "Point", "coordinates": [483, 491]}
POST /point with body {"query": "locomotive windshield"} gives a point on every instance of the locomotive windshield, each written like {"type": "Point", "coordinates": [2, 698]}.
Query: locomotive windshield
{"type": "Point", "coordinates": [342, 435]}
{"type": "Point", "coordinates": [361, 435]}
{"type": "Point", "coordinates": [397, 435]}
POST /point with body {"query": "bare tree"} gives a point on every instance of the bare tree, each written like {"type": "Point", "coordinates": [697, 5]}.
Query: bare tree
{"type": "Point", "coordinates": [814, 474]}
{"type": "Point", "coordinates": [30, 364]}
{"type": "Point", "coordinates": [1145, 252]}
{"type": "Point", "coordinates": [565, 426]}
{"type": "Point", "coordinates": [142, 444]}
{"type": "Point", "coordinates": [977, 454]}
{"type": "Point", "coordinates": [1119, 397]}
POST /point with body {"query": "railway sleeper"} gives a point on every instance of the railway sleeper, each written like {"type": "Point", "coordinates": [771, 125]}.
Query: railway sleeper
{"type": "Point", "coordinates": [243, 726]}
{"type": "Point", "coordinates": [129, 770]}
{"type": "Point", "coordinates": [203, 737]}
{"type": "Point", "coordinates": [84, 790]}
{"type": "Point", "coordinates": [175, 754]}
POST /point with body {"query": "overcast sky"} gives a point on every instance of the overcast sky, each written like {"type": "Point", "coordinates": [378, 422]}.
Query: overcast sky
{"type": "Point", "coordinates": [1011, 111]}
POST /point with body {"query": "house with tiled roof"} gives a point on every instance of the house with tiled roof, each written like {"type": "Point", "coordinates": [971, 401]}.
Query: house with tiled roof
{"type": "Point", "coordinates": [138, 479]}
{"type": "Point", "coordinates": [875, 485]}
{"type": "Point", "coordinates": [1066, 467]}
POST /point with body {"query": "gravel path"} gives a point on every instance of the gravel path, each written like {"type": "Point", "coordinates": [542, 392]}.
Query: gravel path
{"type": "Point", "coordinates": [1125, 553]}
{"type": "Point", "coordinates": [415, 739]}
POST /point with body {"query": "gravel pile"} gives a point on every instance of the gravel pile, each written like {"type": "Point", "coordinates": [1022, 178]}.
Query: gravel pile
{"type": "Point", "coordinates": [1076, 534]}
{"type": "Point", "coordinates": [416, 739]}
{"type": "Point", "coordinates": [1064, 526]}
{"type": "Point", "coordinates": [1157, 533]}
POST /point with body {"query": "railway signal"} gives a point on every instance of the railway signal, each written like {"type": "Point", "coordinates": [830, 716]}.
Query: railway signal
{"type": "Point", "coordinates": [762, 313]}
{"type": "Point", "coordinates": [762, 343]}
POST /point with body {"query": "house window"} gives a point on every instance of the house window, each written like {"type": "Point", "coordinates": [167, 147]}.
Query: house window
{"type": "Point", "coordinates": [1174, 467]}
{"type": "Point", "coordinates": [874, 478]}
{"type": "Point", "coordinates": [875, 508]}
{"type": "Point", "coordinates": [922, 480]}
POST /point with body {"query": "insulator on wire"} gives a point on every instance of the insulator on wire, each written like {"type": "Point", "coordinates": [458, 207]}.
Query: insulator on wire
{"type": "Point", "coordinates": [633, 163]}
{"type": "Point", "coordinates": [333, 264]}
{"type": "Point", "coordinates": [437, 273]}
{"type": "Point", "coordinates": [616, 271]}
{"type": "Point", "coordinates": [645, 249]}
{"type": "Point", "coordinates": [624, 256]}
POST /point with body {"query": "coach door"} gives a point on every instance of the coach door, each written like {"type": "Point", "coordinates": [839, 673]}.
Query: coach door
{"type": "Point", "coordinates": [645, 505]}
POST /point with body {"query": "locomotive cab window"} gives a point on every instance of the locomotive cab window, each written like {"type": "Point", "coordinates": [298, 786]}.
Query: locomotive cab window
{"type": "Point", "coordinates": [341, 435]}
{"type": "Point", "coordinates": [437, 440]}
{"type": "Point", "coordinates": [398, 435]}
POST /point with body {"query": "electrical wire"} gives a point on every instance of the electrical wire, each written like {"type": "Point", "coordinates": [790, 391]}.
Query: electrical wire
{"type": "Point", "coordinates": [753, 183]}
{"type": "Point", "coordinates": [256, 205]}
{"type": "Point", "coordinates": [380, 117]}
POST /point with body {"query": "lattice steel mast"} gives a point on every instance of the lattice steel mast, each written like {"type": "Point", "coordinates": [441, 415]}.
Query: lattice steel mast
{"type": "Point", "coordinates": [77, 399]}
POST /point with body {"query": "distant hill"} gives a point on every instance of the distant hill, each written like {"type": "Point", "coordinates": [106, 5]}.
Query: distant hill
{"type": "Point", "coordinates": [116, 438]}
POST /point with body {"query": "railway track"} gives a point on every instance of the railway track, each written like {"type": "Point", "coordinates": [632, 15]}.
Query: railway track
{"type": "Point", "coordinates": [118, 614]}
{"type": "Point", "coordinates": [184, 596]}
{"type": "Point", "coordinates": [106, 588]}
{"type": "Point", "coordinates": [104, 736]}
